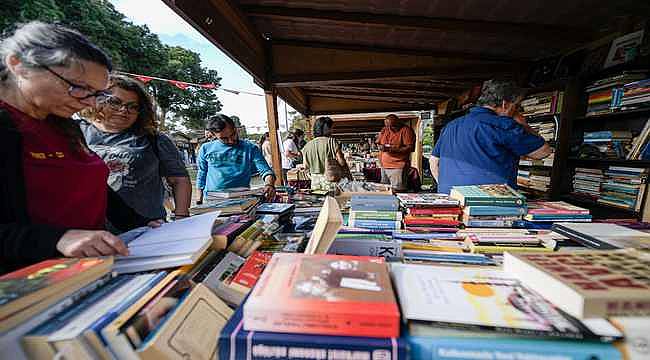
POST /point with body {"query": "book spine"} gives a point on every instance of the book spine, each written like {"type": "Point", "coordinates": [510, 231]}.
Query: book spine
{"type": "Point", "coordinates": [240, 345]}
{"type": "Point", "coordinates": [341, 324]}
{"type": "Point", "coordinates": [377, 224]}
{"type": "Point", "coordinates": [386, 249]}
{"type": "Point", "coordinates": [447, 348]}
{"type": "Point", "coordinates": [376, 215]}
{"type": "Point", "coordinates": [478, 201]}
{"type": "Point", "coordinates": [489, 223]}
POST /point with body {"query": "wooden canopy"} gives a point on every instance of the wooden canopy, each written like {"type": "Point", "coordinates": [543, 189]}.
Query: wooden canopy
{"type": "Point", "coordinates": [360, 56]}
{"type": "Point", "coordinates": [351, 56]}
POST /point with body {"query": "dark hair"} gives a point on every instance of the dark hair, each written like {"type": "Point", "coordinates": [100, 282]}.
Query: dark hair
{"type": "Point", "coordinates": [295, 133]}
{"type": "Point", "coordinates": [494, 92]}
{"type": "Point", "coordinates": [38, 44]}
{"type": "Point", "coordinates": [219, 122]}
{"type": "Point", "coordinates": [322, 125]}
{"type": "Point", "coordinates": [147, 121]}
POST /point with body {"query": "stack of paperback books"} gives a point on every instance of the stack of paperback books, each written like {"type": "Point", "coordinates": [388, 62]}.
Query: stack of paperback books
{"type": "Point", "coordinates": [624, 187]}
{"type": "Point", "coordinates": [543, 103]}
{"type": "Point", "coordinates": [479, 313]}
{"type": "Point", "coordinates": [586, 182]}
{"type": "Point", "coordinates": [556, 211]}
{"type": "Point", "coordinates": [496, 205]}
{"type": "Point", "coordinates": [611, 144]}
{"type": "Point", "coordinates": [534, 178]}
{"type": "Point", "coordinates": [601, 93]}
{"type": "Point", "coordinates": [375, 212]}
{"type": "Point", "coordinates": [317, 304]}
{"type": "Point", "coordinates": [545, 129]}
{"type": "Point", "coordinates": [635, 95]}
{"type": "Point", "coordinates": [428, 212]}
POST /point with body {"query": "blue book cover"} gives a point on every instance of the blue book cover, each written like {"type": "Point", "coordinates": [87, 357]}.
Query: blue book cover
{"type": "Point", "coordinates": [374, 203]}
{"type": "Point", "coordinates": [468, 347]}
{"type": "Point", "coordinates": [377, 224]}
{"type": "Point", "coordinates": [495, 210]}
{"type": "Point", "coordinates": [237, 344]}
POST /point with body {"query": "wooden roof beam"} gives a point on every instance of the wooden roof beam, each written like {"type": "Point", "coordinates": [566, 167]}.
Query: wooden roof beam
{"type": "Point", "coordinates": [567, 34]}
{"type": "Point", "coordinates": [382, 97]}
{"type": "Point", "coordinates": [399, 51]}
{"type": "Point", "coordinates": [486, 71]}
{"type": "Point", "coordinates": [377, 89]}
{"type": "Point", "coordinates": [223, 23]}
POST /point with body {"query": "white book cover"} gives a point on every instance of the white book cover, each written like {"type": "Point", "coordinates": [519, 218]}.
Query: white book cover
{"type": "Point", "coordinates": [489, 299]}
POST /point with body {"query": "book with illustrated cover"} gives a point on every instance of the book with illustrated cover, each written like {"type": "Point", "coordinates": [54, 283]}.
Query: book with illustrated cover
{"type": "Point", "coordinates": [250, 272]}
{"type": "Point", "coordinates": [236, 343]}
{"type": "Point", "coordinates": [274, 208]}
{"type": "Point", "coordinates": [487, 195]}
{"type": "Point", "coordinates": [587, 283]}
{"type": "Point", "coordinates": [30, 290]}
{"type": "Point", "coordinates": [324, 294]}
{"type": "Point", "coordinates": [481, 299]}
{"type": "Point", "coordinates": [437, 343]}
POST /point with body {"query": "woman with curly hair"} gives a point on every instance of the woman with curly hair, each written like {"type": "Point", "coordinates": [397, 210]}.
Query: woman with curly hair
{"type": "Point", "coordinates": [122, 129]}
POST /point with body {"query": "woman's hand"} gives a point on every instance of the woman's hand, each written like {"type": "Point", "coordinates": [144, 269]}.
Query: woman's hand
{"type": "Point", "coordinates": [155, 223]}
{"type": "Point", "coordinates": [87, 243]}
{"type": "Point", "coordinates": [269, 192]}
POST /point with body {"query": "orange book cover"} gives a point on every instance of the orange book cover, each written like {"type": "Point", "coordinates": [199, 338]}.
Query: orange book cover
{"type": "Point", "coordinates": [251, 271]}
{"type": "Point", "coordinates": [325, 295]}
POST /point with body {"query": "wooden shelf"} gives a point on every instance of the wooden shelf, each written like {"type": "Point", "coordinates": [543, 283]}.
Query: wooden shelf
{"type": "Point", "coordinates": [579, 200]}
{"type": "Point", "coordinates": [616, 114]}
{"type": "Point", "coordinates": [613, 162]}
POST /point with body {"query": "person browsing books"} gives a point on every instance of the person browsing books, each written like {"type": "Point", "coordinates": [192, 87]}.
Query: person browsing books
{"type": "Point", "coordinates": [122, 129]}
{"type": "Point", "coordinates": [229, 162]}
{"type": "Point", "coordinates": [484, 146]}
{"type": "Point", "coordinates": [396, 143]}
{"type": "Point", "coordinates": [54, 199]}
{"type": "Point", "coordinates": [323, 148]}
{"type": "Point", "coordinates": [291, 152]}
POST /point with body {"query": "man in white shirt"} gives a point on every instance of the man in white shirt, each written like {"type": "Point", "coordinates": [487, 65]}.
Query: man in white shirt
{"type": "Point", "coordinates": [290, 150]}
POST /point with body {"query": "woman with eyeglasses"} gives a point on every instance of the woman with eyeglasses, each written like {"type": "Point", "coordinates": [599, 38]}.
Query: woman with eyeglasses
{"type": "Point", "coordinates": [54, 200]}
{"type": "Point", "coordinates": [122, 129]}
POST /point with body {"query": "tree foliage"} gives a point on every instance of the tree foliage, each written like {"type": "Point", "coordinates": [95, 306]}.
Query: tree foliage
{"type": "Point", "coordinates": [133, 48]}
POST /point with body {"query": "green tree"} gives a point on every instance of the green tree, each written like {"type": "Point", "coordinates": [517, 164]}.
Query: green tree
{"type": "Point", "coordinates": [134, 49]}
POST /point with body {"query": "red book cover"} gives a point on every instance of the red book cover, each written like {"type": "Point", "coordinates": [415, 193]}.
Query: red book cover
{"type": "Point", "coordinates": [555, 208]}
{"type": "Point", "coordinates": [251, 271]}
{"type": "Point", "coordinates": [425, 211]}
{"type": "Point", "coordinates": [324, 295]}
{"type": "Point", "coordinates": [411, 220]}
{"type": "Point", "coordinates": [34, 283]}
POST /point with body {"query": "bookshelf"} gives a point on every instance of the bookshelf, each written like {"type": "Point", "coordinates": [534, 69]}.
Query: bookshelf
{"type": "Point", "coordinates": [563, 119]}
{"type": "Point", "coordinates": [633, 121]}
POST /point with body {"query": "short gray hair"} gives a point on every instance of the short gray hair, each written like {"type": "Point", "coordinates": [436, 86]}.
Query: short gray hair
{"type": "Point", "coordinates": [39, 44]}
{"type": "Point", "coordinates": [494, 92]}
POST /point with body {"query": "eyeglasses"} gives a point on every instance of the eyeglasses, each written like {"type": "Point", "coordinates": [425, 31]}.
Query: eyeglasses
{"type": "Point", "coordinates": [75, 90]}
{"type": "Point", "coordinates": [116, 104]}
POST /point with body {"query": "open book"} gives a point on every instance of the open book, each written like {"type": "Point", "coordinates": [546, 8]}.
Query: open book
{"type": "Point", "coordinates": [172, 244]}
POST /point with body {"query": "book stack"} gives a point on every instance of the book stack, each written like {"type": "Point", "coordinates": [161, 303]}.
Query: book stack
{"type": "Point", "coordinates": [586, 182]}
{"type": "Point", "coordinates": [298, 178]}
{"type": "Point", "coordinates": [479, 313]}
{"type": "Point", "coordinates": [233, 206]}
{"type": "Point", "coordinates": [366, 244]}
{"type": "Point", "coordinates": [635, 95]}
{"type": "Point", "coordinates": [603, 96]}
{"type": "Point", "coordinates": [429, 211]}
{"type": "Point", "coordinates": [543, 103]}
{"type": "Point", "coordinates": [611, 144]}
{"type": "Point", "coordinates": [375, 212]}
{"type": "Point", "coordinates": [534, 178]}
{"type": "Point", "coordinates": [640, 144]}
{"type": "Point", "coordinates": [316, 304]}
{"type": "Point", "coordinates": [556, 211]}
{"type": "Point", "coordinates": [547, 161]}
{"type": "Point", "coordinates": [624, 187]}
{"type": "Point", "coordinates": [496, 205]}
{"type": "Point", "coordinates": [545, 129]}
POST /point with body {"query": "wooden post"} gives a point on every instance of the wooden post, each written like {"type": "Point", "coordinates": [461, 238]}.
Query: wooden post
{"type": "Point", "coordinates": [272, 119]}
{"type": "Point", "coordinates": [417, 154]}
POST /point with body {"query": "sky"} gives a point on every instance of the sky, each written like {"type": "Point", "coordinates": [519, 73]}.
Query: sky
{"type": "Point", "coordinates": [173, 30]}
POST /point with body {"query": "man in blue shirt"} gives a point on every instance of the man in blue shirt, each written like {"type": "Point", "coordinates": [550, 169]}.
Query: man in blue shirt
{"type": "Point", "coordinates": [227, 162]}
{"type": "Point", "coordinates": [484, 146]}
